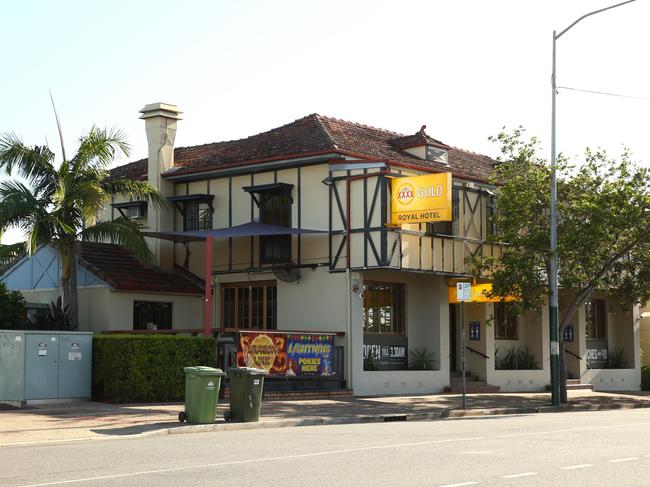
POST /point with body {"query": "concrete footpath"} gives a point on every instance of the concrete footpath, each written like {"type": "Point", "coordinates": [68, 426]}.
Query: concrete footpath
{"type": "Point", "coordinates": [92, 420]}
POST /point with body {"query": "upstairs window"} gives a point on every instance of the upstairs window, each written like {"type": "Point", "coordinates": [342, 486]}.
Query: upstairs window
{"type": "Point", "coordinates": [197, 216]}
{"type": "Point", "coordinates": [196, 210]}
{"type": "Point", "coordinates": [274, 203]}
{"type": "Point", "coordinates": [492, 229]}
{"type": "Point", "coordinates": [452, 227]}
{"type": "Point", "coordinates": [437, 154]}
{"type": "Point", "coordinates": [133, 210]}
{"type": "Point", "coordinates": [275, 209]}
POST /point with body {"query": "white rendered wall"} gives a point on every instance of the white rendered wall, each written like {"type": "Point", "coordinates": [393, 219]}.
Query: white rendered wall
{"type": "Point", "coordinates": [187, 311]}
{"type": "Point", "coordinates": [427, 323]}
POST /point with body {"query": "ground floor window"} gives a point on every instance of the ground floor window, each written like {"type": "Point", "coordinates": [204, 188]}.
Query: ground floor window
{"type": "Point", "coordinates": [249, 305]}
{"type": "Point", "coordinates": [152, 315]}
{"type": "Point", "coordinates": [596, 326]}
{"type": "Point", "coordinates": [383, 307]}
{"type": "Point", "coordinates": [505, 322]}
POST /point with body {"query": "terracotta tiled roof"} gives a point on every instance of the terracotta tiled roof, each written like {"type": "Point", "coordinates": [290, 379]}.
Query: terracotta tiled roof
{"type": "Point", "coordinates": [134, 170]}
{"type": "Point", "coordinates": [315, 134]}
{"type": "Point", "coordinates": [124, 272]}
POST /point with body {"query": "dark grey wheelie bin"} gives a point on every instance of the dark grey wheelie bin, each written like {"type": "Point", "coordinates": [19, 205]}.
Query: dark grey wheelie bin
{"type": "Point", "coordinates": [201, 393]}
{"type": "Point", "coordinates": [246, 385]}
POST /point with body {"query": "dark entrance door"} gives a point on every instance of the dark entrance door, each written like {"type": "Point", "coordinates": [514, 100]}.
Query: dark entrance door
{"type": "Point", "coordinates": [452, 338]}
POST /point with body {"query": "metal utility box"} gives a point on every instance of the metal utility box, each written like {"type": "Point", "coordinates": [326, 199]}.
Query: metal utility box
{"type": "Point", "coordinates": [42, 365]}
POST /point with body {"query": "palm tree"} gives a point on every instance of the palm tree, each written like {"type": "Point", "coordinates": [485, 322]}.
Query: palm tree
{"type": "Point", "coordinates": [60, 205]}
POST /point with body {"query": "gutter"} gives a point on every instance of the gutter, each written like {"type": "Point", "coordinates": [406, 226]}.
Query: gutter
{"type": "Point", "coordinates": [251, 166]}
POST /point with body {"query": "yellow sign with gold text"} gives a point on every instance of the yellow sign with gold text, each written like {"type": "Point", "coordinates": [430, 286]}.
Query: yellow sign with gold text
{"type": "Point", "coordinates": [478, 293]}
{"type": "Point", "coordinates": [420, 199]}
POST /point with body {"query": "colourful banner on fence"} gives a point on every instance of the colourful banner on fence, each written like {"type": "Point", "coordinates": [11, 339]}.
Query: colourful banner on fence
{"type": "Point", "coordinates": [287, 353]}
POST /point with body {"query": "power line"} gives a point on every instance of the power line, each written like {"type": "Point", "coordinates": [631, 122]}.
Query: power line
{"type": "Point", "coordinates": [645, 98]}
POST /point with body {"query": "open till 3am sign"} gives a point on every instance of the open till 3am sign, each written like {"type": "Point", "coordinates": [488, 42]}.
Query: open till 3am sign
{"type": "Point", "coordinates": [420, 199]}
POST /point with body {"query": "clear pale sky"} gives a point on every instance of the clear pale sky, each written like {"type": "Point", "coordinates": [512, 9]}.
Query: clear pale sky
{"type": "Point", "coordinates": [465, 68]}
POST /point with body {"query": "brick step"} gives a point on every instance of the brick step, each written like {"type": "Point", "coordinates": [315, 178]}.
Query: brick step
{"type": "Point", "coordinates": [472, 388]}
{"type": "Point", "coordinates": [459, 374]}
{"type": "Point", "coordinates": [468, 379]}
{"type": "Point", "coordinates": [295, 395]}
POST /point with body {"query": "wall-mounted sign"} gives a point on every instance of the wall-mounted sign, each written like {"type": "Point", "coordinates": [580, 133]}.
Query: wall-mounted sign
{"type": "Point", "coordinates": [463, 292]}
{"type": "Point", "coordinates": [597, 358]}
{"type": "Point", "coordinates": [478, 294]}
{"type": "Point", "coordinates": [385, 352]}
{"type": "Point", "coordinates": [287, 353]}
{"type": "Point", "coordinates": [420, 199]}
{"type": "Point", "coordinates": [475, 330]}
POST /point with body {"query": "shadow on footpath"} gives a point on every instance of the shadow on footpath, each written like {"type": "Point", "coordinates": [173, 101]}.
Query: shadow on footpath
{"type": "Point", "coordinates": [135, 429]}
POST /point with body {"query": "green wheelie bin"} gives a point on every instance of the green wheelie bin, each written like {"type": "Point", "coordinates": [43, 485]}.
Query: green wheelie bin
{"type": "Point", "coordinates": [201, 392]}
{"type": "Point", "coordinates": [246, 386]}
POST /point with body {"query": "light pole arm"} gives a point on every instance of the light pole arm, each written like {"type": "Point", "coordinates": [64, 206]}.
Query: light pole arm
{"type": "Point", "coordinates": [590, 14]}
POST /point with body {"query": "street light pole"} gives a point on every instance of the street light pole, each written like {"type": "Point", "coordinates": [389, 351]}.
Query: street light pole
{"type": "Point", "coordinates": [553, 305]}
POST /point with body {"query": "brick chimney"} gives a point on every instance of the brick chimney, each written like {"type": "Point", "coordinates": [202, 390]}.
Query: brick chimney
{"type": "Point", "coordinates": [160, 124]}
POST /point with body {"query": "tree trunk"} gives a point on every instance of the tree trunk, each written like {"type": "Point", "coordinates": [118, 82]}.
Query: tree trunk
{"type": "Point", "coordinates": [68, 254]}
{"type": "Point", "coordinates": [578, 301]}
{"type": "Point", "coordinates": [73, 310]}
{"type": "Point", "coordinates": [65, 274]}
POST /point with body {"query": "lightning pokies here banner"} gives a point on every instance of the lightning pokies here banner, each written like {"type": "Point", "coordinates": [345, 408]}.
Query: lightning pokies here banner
{"type": "Point", "coordinates": [287, 353]}
{"type": "Point", "coordinates": [420, 199]}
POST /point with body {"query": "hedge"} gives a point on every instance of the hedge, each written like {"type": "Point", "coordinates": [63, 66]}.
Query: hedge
{"type": "Point", "coordinates": [146, 368]}
{"type": "Point", "coordinates": [645, 377]}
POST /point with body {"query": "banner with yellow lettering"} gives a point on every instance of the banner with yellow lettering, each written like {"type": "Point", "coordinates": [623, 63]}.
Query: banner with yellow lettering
{"type": "Point", "coordinates": [420, 199]}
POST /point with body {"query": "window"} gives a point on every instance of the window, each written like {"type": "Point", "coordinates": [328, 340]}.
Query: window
{"type": "Point", "coordinates": [452, 227]}
{"type": "Point", "coordinates": [275, 209]}
{"type": "Point", "coordinates": [492, 229]}
{"type": "Point", "coordinates": [196, 210]}
{"type": "Point", "coordinates": [505, 322]}
{"type": "Point", "coordinates": [197, 215]}
{"type": "Point", "coordinates": [383, 308]}
{"type": "Point", "coordinates": [151, 315]}
{"type": "Point", "coordinates": [131, 209]}
{"type": "Point", "coordinates": [249, 305]}
{"type": "Point", "coordinates": [438, 155]}
{"type": "Point", "coordinates": [595, 328]}
{"type": "Point", "coordinates": [134, 212]}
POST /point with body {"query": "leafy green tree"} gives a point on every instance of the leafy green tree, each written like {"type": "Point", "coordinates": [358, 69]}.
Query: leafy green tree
{"type": "Point", "coordinates": [603, 231]}
{"type": "Point", "coordinates": [59, 205]}
{"type": "Point", "coordinates": [13, 315]}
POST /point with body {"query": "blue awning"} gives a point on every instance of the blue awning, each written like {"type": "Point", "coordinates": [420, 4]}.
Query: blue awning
{"type": "Point", "coordinates": [251, 229]}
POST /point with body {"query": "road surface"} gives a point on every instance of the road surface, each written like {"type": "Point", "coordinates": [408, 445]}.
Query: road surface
{"type": "Point", "coordinates": [606, 448]}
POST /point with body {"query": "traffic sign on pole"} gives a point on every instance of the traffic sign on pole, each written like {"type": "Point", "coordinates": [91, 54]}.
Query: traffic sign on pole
{"type": "Point", "coordinates": [463, 295]}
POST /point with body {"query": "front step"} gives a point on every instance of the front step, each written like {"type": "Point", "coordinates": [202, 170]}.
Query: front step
{"type": "Point", "coordinates": [575, 385]}
{"type": "Point", "coordinates": [267, 395]}
{"type": "Point", "coordinates": [473, 385]}
{"type": "Point", "coordinates": [472, 388]}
